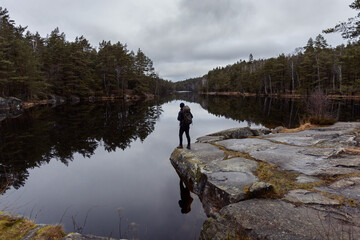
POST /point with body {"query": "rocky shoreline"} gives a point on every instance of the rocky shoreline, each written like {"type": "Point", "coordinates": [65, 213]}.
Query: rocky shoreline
{"type": "Point", "coordinates": [261, 184]}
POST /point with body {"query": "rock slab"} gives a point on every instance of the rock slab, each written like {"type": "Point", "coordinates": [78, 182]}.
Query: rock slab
{"type": "Point", "coordinates": [325, 162]}
{"type": "Point", "coordinates": [216, 180]}
{"type": "Point", "coordinates": [276, 219]}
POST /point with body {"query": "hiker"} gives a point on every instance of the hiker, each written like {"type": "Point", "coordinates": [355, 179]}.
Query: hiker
{"type": "Point", "coordinates": [185, 118]}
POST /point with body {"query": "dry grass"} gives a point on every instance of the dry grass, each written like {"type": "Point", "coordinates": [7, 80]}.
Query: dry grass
{"type": "Point", "coordinates": [53, 232]}
{"type": "Point", "coordinates": [353, 151]}
{"type": "Point", "coordinates": [14, 228]}
{"type": "Point", "coordinates": [343, 200]}
{"type": "Point", "coordinates": [302, 127]}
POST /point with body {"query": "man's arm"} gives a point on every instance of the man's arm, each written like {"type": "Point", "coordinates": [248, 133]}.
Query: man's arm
{"type": "Point", "coordinates": [180, 116]}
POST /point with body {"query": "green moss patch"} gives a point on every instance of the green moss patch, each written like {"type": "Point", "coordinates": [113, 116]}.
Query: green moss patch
{"type": "Point", "coordinates": [282, 181]}
{"type": "Point", "coordinates": [53, 232]}
{"type": "Point", "coordinates": [14, 228]}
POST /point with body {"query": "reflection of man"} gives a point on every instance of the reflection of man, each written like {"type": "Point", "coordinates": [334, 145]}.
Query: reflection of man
{"type": "Point", "coordinates": [186, 198]}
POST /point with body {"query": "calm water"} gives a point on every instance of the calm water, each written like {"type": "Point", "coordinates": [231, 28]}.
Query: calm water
{"type": "Point", "coordinates": [104, 168]}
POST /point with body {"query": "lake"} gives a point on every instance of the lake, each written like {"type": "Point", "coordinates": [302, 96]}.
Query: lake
{"type": "Point", "coordinates": [104, 168]}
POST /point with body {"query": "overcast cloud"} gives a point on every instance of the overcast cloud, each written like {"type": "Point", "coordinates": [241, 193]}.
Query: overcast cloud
{"type": "Point", "coordinates": [186, 38]}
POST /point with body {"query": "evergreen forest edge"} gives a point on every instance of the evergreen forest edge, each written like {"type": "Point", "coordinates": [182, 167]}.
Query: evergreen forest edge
{"type": "Point", "coordinates": [33, 67]}
{"type": "Point", "coordinates": [335, 71]}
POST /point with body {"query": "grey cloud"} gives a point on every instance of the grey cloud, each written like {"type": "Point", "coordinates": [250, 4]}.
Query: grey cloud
{"type": "Point", "coordinates": [186, 38]}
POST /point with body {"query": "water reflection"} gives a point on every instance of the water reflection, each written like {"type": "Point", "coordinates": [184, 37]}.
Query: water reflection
{"type": "Point", "coordinates": [269, 112]}
{"type": "Point", "coordinates": [186, 199]}
{"type": "Point", "coordinates": [41, 135]}
{"type": "Point", "coordinates": [109, 156]}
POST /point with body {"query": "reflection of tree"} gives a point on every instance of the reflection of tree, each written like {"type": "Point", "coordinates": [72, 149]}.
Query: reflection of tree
{"type": "Point", "coordinates": [269, 112]}
{"type": "Point", "coordinates": [40, 135]}
{"type": "Point", "coordinates": [122, 124]}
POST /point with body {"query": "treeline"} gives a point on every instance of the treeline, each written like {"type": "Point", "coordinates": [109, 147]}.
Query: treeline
{"type": "Point", "coordinates": [191, 84]}
{"type": "Point", "coordinates": [32, 67]}
{"type": "Point", "coordinates": [334, 70]}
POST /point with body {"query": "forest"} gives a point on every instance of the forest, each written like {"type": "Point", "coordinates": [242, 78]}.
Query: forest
{"type": "Point", "coordinates": [334, 70]}
{"type": "Point", "coordinates": [33, 67]}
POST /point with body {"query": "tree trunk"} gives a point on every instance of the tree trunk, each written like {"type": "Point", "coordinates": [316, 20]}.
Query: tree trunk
{"type": "Point", "coordinates": [292, 78]}
{"type": "Point", "coordinates": [318, 69]}
{"type": "Point", "coordinates": [340, 77]}
{"type": "Point", "coordinates": [333, 82]}
{"type": "Point", "coordinates": [291, 112]}
{"type": "Point", "coordinates": [265, 87]}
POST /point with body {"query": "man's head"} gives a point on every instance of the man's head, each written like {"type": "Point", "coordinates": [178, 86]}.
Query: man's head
{"type": "Point", "coordinates": [182, 105]}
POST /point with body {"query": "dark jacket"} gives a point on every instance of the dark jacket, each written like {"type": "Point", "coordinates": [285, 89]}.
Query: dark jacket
{"type": "Point", "coordinates": [181, 118]}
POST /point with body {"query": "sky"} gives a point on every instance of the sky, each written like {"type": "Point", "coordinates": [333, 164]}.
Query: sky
{"type": "Point", "coordinates": [187, 38]}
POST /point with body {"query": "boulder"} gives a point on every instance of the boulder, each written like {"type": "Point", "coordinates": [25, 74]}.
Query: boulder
{"type": "Point", "coordinates": [14, 104]}
{"type": "Point", "coordinates": [10, 108]}
{"type": "Point", "coordinates": [233, 133]}
{"type": "Point", "coordinates": [74, 99]}
{"type": "Point", "coordinates": [258, 189]}
{"type": "Point", "coordinates": [277, 129]}
{"type": "Point", "coordinates": [57, 100]}
{"type": "Point", "coordinates": [92, 99]}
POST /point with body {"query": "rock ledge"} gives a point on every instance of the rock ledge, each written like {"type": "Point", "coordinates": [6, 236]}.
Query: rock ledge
{"type": "Point", "coordinates": [319, 201]}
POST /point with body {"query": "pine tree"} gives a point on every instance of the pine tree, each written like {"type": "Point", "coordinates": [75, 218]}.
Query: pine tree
{"type": "Point", "coordinates": [55, 57]}
{"type": "Point", "coordinates": [351, 28]}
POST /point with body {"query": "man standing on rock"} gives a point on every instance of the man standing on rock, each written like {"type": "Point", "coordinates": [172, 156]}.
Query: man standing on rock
{"type": "Point", "coordinates": [185, 118]}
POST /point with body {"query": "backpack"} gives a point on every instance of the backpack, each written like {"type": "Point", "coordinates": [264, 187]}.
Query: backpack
{"type": "Point", "coordinates": [187, 115]}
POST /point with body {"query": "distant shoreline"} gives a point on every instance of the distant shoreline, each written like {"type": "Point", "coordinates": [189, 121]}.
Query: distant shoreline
{"type": "Point", "coordinates": [128, 98]}
{"type": "Point", "coordinates": [330, 96]}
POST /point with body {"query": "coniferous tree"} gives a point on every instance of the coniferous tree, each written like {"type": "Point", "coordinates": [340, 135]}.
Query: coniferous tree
{"type": "Point", "coordinates": [55, 57]}
{"type": "Point", "coordinates": [351, 28]}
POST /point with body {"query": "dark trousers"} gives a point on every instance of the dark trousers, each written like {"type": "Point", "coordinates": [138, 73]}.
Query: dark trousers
{"type": "Point", "coordinates": [185, 129]}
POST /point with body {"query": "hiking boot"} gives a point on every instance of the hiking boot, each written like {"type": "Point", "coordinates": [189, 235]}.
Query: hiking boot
{"type": "Point", "coordinates": [179, 147]}
{"type": "Point", "coordinates": [188, 147]}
